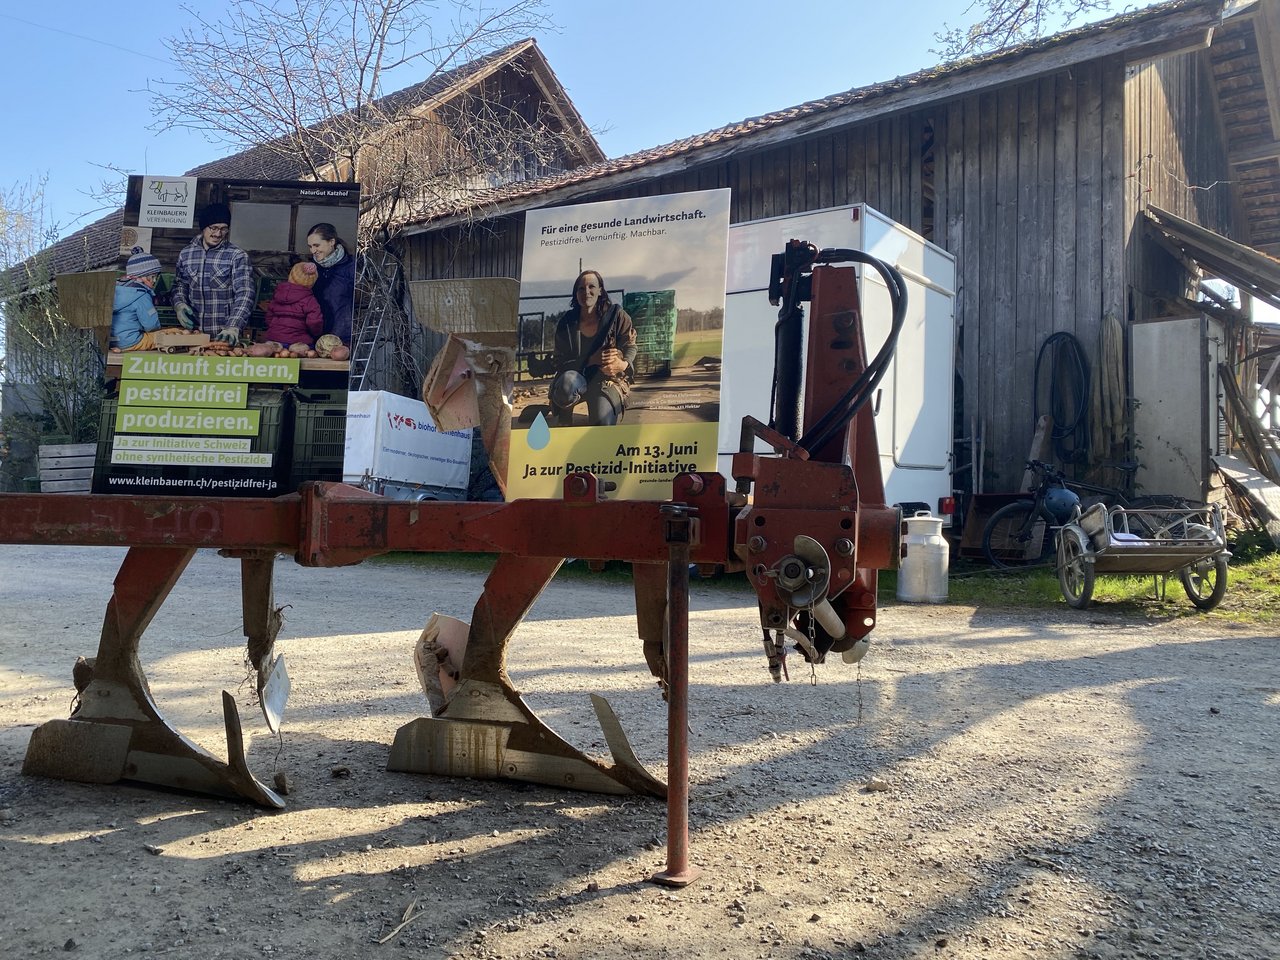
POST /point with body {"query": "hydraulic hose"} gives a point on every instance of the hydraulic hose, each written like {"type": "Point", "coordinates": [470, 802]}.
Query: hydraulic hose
{"type": "Point", "coordinates": [788, 355]}
{"type": "Point", "coordinates": [846, 408]}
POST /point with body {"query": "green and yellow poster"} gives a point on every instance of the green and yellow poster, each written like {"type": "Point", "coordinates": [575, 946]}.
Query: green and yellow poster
{"type": "Point", "coordinates": [226, 292]}
{"type": "Point", "coordinates": [618, 344]}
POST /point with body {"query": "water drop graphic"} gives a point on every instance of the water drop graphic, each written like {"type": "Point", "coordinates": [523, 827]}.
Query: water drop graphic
{"type": "Point", "coordinates": [538, 434]}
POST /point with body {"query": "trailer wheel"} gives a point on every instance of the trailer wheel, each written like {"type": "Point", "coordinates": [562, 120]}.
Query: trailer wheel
{"type": "Point", "coordinates": [1075, 571]}
{"type": "Point", "coordinates": [1205, 581]}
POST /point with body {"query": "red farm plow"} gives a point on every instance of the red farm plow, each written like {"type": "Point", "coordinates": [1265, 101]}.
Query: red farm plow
{"type": "Point", "coordinates": [807, 523]}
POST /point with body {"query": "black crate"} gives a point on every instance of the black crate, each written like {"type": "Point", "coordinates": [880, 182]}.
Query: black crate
{"type": "Point", "coordinates": [319, 440]}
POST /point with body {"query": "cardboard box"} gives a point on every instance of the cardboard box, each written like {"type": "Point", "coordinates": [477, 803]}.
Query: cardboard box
{"type": "Point", "coordinates": [392, 439]}
{"type": "Point", "coordinates": [170, 340]}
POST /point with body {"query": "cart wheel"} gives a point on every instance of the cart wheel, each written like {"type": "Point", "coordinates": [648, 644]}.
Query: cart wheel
{"type": "Point", "coordinates": [1205, 581]}
{"type": "Point", "coordinates": [1075, 571]}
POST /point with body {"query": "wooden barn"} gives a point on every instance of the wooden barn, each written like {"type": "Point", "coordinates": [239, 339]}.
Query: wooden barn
{"type": "Point", "coordinates": [1056, 173]}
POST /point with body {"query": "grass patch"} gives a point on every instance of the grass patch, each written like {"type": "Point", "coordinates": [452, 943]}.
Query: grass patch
{"type": "Point", "coordinates": [1253, 586]}
{"type": "Point", "coordinates": [1253, 590]}
{"type": "Point", "coordinates": [692, 347]}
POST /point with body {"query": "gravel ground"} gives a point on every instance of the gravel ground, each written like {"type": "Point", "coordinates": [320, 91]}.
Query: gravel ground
{"type": "Point", "coordinates": [988, 783]}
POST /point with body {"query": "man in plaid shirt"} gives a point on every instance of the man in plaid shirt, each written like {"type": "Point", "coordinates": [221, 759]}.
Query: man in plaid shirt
{"type": "Point", "coordinates": [213, 287]}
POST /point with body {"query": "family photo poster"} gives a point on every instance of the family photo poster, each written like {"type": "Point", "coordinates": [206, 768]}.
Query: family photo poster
{"type": "Point", "coordinates": [619, 337]}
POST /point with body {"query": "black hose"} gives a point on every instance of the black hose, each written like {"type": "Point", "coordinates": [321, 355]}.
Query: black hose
{"type": "Point", "coordinates": [846, 408]}
{"type": "Point", "coordinates": [788, 366]}
{"type": "Point", "coordinates": [1068, 396]}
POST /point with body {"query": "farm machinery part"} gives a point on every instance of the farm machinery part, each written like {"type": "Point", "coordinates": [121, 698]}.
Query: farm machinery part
{"type": "Point", "coordinates": [817, 529]}
{"type": "Point", "coordinates": [807, 523]}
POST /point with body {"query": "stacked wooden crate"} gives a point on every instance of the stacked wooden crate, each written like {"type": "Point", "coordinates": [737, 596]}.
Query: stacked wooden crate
{"type": "Point", "coordinates": [67, 467]}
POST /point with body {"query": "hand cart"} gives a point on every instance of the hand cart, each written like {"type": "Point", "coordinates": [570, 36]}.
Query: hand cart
{"type": "Point", "coordinates": [1188, 541]}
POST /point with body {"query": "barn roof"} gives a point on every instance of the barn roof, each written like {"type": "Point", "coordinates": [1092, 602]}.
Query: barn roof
{"type": "Point", "coordinates": [267, 162]}
{"type": "Point", "coordinates": [98, 245]}
{"type": "Point", "coordinates": [1138, 36]}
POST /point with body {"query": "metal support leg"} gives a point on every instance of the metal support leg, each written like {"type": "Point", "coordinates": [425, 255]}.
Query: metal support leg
{"type": "Point", "coordinates": [650, 584]}
{"type": "Point", "coordinates": [262, 623]}
{"type": "Point", "coordinates": [118, 731]}
{"type": "Point", "coordinates": [679, 872]}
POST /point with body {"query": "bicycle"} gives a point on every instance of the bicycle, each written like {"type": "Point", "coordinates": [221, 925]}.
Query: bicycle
{"type": "Point", "coordinates": [1021, 534]}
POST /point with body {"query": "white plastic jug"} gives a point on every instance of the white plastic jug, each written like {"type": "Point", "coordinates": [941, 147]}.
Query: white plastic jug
{"type": "Point", "coordinates": [922, 574]}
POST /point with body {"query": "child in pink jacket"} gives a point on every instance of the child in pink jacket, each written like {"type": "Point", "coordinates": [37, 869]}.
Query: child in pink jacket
{"type": "Point", "coordinates": [293, 315]}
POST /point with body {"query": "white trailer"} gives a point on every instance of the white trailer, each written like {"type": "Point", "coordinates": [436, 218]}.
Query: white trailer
{"type": "Point", "coordinates": [914, 400]}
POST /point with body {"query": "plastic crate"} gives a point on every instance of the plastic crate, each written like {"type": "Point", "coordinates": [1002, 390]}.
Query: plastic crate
{"type": "Point", "coordinates": [271, 421]}
{"type": "Point", "coordinates": [319, 395]}
{"type": "Point", "coordinates": [106, 436]}
{"type": "Point", "coordinates": [319, 441]}
{"type": "Point", "coordinates": [653, 313]}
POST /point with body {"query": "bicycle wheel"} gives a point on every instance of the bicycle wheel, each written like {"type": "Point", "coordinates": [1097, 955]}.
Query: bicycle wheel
{"type": "Point", "coordinates": [1169, 524]}
{"type": "Point", "coordinates": [1075, 573]}
{"type": "Point", "coordinates": [1016, 536]}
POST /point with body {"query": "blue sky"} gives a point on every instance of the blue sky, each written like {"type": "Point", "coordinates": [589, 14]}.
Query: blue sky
{"type": "Point", "coordinates": [641, 74]}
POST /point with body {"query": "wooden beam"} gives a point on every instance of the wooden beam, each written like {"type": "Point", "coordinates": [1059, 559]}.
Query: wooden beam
{"type": "Point", "coordinates": [1261, 151]}
{"type": "Point", "coordinates": [1157, 237]}
{"type": "Point", "coordinates": [1266, 30]}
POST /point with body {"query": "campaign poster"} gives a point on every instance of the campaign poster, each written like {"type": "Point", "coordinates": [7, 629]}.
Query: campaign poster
{"type": "Point", "coordinates": [618, 344]}
{"type": "Point", "coordinates": [219, 381]}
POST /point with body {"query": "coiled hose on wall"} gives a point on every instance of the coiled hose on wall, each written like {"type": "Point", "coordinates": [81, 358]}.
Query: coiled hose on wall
{"type": "Point", "coordinates": [1068, 395]}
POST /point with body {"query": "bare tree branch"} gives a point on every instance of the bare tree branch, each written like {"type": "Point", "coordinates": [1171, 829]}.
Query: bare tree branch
{"type": "Point", "coordinates": [305, 78]}
{"type": "Point", "coordinates": [303, 81]}
{"type": "Point", "coordinates": [54, 367]}
{"type": "Point", "coordinates": [1006, 23]}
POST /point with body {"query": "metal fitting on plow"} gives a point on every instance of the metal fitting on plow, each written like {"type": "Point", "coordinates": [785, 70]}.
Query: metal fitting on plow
{"type": "Point", "coordinates": [803, 580]}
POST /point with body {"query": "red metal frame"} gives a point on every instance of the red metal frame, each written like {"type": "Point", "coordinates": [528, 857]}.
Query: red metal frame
{"type": "Point", "coordinates": [803, 506]}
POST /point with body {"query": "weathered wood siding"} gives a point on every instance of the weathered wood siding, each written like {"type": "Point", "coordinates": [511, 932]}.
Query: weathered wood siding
{"type": "Point", "coordinates": [1028, 199]}
{"type": "Point", "coordinates": [1027, 185]}
{"type": "Point", "coordinates": [1175, 159]}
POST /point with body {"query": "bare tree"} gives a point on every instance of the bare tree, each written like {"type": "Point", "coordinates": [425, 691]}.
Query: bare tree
{"type": "Point", "coordinates": [1005, 23]}
{"type": "Point", "coordinates": [52, 370]}
{"type": "Point", "coordinates": [304, 80]}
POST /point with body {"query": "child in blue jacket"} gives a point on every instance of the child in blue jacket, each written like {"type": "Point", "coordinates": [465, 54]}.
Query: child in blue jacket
{"type": "Point", "coordinates": [134, 320]}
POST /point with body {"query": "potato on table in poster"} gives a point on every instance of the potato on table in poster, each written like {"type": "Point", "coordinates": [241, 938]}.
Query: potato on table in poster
{"type": "Point", "coordinates": [618, 343]}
